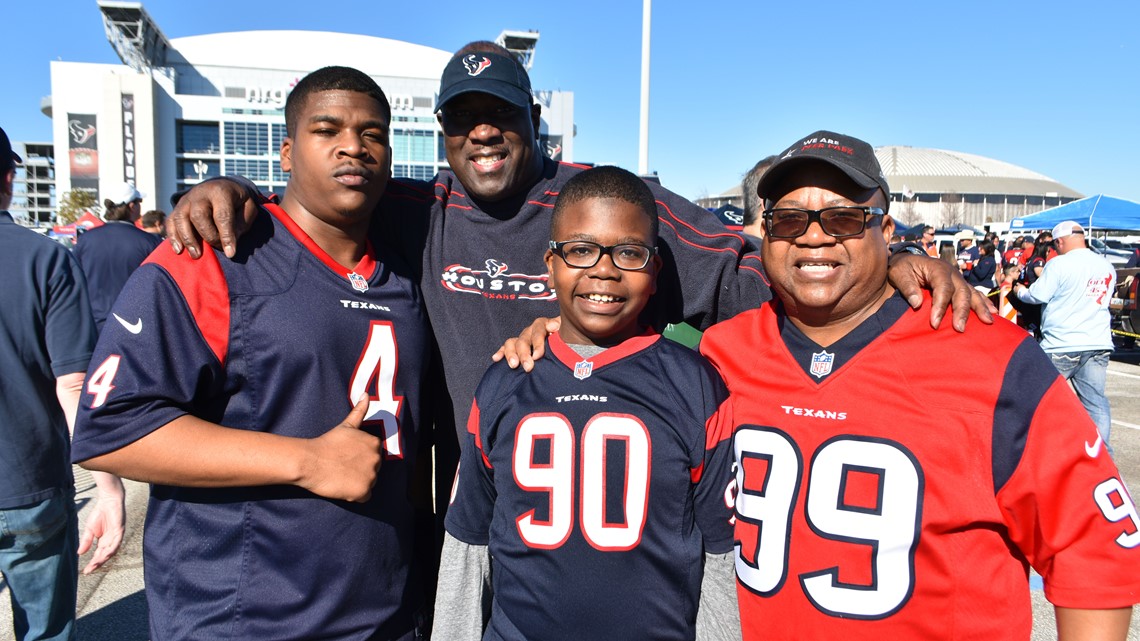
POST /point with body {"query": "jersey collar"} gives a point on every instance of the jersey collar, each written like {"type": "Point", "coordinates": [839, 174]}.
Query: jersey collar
{"type": "Point", "coordinates": [364, 269]}
{"type": "Point", "coordinates": [568, 357]}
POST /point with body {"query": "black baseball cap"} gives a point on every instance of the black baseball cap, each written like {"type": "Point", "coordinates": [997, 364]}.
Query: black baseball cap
{"type": "Point", "coordinates": [482, 72]}
{"type": "Point", "coordinates": [8, 158]}
{"type": "Point", "coordinates": [854, 157]}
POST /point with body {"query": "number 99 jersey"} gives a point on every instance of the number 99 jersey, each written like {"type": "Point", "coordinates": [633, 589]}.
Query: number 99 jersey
{"type": "Point", "coordinates": [879, 498]}
{"type": "Point", "coordinates": [598, 485]}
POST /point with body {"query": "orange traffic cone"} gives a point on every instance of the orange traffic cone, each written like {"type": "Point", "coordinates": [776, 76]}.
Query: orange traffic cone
{"type": "Point", "coordinates": [1005, 308]}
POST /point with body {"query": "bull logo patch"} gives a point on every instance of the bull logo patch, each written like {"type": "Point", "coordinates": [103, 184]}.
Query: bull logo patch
{"type": "Point", "coordinates": [475, 64]}
{"type": "Point", "coordinates": [495, 268]}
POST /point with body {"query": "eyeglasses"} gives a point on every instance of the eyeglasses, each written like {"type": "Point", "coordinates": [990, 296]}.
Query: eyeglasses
{"type": "Point", "coordinates": [838, 222]}
{"type": "Point", "coordinates": [583, 254]}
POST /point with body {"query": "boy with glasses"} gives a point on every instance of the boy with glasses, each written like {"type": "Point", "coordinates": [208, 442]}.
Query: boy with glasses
{"type": "Point", "coordinates": [592, 493]}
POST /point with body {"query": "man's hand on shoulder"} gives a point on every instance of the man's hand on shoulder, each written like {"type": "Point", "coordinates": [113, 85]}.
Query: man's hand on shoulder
{"type": "Point", "coordinates": [216, 212]}
{"type": "Point", "coordinates": [910, 274]}
{"type": "Point", "coordinates": [529, 345]}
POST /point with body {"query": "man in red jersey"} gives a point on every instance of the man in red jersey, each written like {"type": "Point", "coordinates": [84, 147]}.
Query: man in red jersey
{"type": "Point", "coordinates": [858, 518]}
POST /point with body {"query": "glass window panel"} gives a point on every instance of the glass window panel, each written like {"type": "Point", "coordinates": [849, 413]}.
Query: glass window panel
{"type": "Point", "coordinates": [198, 138]}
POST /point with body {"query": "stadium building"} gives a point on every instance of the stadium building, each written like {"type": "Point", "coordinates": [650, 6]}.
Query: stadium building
{"type": "Point", "coordinates": [179, 111]}
{"type": "Point", "coordinates": [946, 188]}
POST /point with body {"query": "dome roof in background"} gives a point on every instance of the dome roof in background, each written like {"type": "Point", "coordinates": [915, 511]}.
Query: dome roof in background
{"type": "Point", "coordinates": [936, 171]}
{"type": "Point", "coordinates": [308, 50]}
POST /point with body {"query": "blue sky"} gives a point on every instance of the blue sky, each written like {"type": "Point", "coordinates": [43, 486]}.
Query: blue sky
{"type": "Point", "coordinates": [1053, 86]}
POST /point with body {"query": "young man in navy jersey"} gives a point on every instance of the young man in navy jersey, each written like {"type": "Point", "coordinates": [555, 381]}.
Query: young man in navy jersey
{"type": "Point", "coordinates": [273, 515]}
{"type": "Point", "coordinates": [592, 490]}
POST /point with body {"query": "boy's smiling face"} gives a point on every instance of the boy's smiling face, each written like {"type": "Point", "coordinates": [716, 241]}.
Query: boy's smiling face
{"type": "Point", "coordinates": [600, 305]}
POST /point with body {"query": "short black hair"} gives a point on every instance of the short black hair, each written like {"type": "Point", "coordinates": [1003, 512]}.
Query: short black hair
{"type": "Point", "coordinates": [484, 46]}
{"type": "Point", "coordinates": [331, 79]}
{"type": "Point", "coordinates": [607, 182]}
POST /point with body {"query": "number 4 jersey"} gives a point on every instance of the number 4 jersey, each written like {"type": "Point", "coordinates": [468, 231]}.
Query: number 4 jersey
{"type": "Point", "coordinates": [598, 484]}
{"type": "Point", "coordinates": [881, 496]}
{"type": "Point", "coordinates": [281, 339]}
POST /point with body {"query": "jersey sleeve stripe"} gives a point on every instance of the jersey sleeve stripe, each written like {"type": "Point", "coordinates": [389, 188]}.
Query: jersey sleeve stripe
{"type": "Point", "coordinates": [1028, 376]}
{"type": "Point", "coordinates": [207, 294]}
{"type": "Point", "coordinates": [673, 217]}
{"type": "Point", "coordinates": [473, 429]}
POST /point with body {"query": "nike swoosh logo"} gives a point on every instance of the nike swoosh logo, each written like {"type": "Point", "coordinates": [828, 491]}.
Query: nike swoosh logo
{"type": "Point", "coordinates": [1094, 449]}
{"type": "Point", "coordinates": [133, 328]}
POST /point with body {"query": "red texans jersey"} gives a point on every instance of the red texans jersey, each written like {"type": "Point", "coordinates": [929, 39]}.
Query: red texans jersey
{"type": "Point", "coordinates": [281, 339]}
{"type": "Point", "coordinates": [879, 498]}
{"type": "Point", "coordinates": [598, 484]}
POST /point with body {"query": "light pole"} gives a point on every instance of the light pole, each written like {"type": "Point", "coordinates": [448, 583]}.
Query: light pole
{"type": "Point", "coordinates": [643, 141]}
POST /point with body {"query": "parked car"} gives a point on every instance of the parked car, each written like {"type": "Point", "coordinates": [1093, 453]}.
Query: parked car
{"type": "Point", "coordinates": [1118, 257]}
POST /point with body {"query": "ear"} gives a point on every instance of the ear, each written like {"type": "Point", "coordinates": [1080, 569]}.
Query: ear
{"type": "Point", "coordinates": [536, 117]}
{"type": "Point", "coordinates": [888, 228]}
{"type": "Point", "coordinates": [655, 262]}
{"type": "Point", "coordinates": [287, 154]}
{"type": "Point", "coordinates": [548, 258]}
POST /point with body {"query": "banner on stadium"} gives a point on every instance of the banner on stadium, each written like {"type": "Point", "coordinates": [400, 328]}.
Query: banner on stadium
{"type": "Point", "coordinates": [83, 151]}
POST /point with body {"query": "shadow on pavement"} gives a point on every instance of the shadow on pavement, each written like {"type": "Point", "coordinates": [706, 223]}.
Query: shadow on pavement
{"type": "Point", "coordinates": [123, 620]}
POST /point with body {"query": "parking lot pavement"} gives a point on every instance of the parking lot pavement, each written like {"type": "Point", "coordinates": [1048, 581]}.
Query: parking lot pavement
{"type": "Point", "coordinates": [112, 607]}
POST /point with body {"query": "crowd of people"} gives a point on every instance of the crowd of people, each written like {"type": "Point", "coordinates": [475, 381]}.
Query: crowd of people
{"type": "Point", "coordinates": [306, 384]}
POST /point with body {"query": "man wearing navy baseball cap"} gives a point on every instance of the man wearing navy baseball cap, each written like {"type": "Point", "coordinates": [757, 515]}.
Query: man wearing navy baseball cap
{"type": "Point", "coordinates": [833, 481]}
{"type": "Point", "coordinates": [8, 158]}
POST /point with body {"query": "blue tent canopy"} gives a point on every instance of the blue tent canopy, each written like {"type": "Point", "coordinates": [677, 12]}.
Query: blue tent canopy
{"type": "Point", "coordinates": [1100, 212]}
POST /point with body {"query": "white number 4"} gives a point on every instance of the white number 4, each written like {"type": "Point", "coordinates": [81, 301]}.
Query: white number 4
{"type": "Point", "coordinates": [378, 364]}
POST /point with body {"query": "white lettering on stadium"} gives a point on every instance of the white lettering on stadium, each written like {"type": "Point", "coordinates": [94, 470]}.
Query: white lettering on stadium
{"type": "Point", "coordinates": [354, 304]}
{"type": "Point", "coordinates": [581, 397]}
{"type": "Point", "coordinates": [813, 413]}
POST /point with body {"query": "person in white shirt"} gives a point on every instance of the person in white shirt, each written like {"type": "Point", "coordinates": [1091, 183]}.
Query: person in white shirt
{"type": "Point", "coordinates": [1075, 288]}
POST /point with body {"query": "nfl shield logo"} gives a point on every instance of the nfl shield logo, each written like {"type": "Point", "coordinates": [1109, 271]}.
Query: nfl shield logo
{"type": "Point", "coordinates": [821, 364]}
{"type": "Point", "coordinates": [358, 282]}
{"type": "Point", "coordinates": [583, 370]}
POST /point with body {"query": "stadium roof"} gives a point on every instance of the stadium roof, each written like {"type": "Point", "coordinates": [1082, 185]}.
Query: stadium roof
{"type": "Point", "coordinates": [309, 50]}
{"type": "Point", "coordinates": [936, 171]}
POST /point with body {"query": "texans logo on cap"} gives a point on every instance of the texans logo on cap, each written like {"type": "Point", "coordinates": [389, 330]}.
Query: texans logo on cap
{"type": "Point", "coordinates": [475, 64]}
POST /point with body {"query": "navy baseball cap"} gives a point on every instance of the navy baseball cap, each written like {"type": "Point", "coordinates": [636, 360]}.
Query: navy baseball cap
{"type": "Point", "coordinates": [855, 158]}
{"type": "Point", "coordinates": [8, 158]}
{"type": "Point", "coordinates": [501, 76]}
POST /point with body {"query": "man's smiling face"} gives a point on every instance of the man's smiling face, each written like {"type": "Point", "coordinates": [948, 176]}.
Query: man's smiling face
{"type": "Point", "coordinates": [491, 145]}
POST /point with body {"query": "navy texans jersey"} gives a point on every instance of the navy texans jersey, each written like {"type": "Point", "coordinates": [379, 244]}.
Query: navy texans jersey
{"type": "Point", "coordinates": [880, 497]}
{"type": "Point", "coordinates": [281, 339]}
{"type": "Point", "coordinates": [598, 485]}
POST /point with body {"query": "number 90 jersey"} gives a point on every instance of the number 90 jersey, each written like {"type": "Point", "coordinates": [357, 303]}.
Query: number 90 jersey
{"type": "Point", "coordinates": [879, 497]}
{"type": "Point", "coordinates": [598, 485]}
{"type": "Point", "coordinates": [281, 340]}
